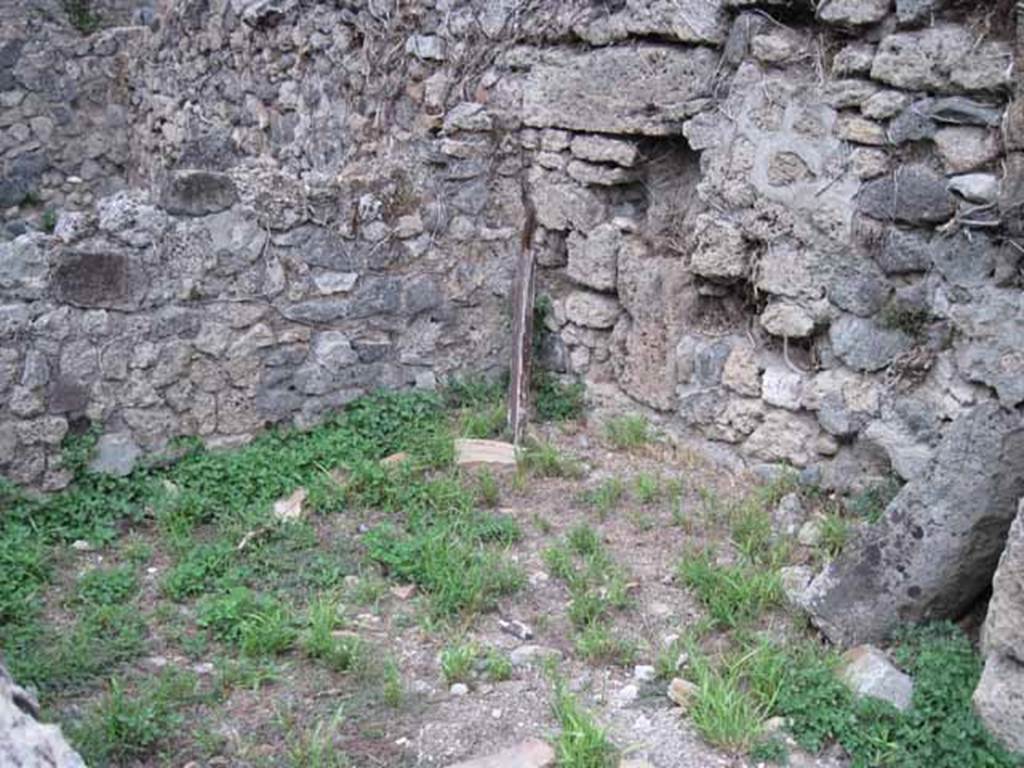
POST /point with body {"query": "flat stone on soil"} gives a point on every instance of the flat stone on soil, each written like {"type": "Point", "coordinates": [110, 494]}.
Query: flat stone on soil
{"type": "Point", "coordinates": [471, 452]}
{"type": "Point", "coordinates": [532, 753]}
{"type": "Point", "coordinates": [681, 692]}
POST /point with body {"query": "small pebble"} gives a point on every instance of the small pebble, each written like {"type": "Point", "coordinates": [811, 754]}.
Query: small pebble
{"type": "Point", "coordinates": [459, 689]}
{"type": "Point", "coordinates": [496, 714]}
{"type": "Point", "coordinates": [627, 694]}
{"type": "Point", "coordinates": [644, 673]}
{"type": "Point", "coordinates": [681, 691]}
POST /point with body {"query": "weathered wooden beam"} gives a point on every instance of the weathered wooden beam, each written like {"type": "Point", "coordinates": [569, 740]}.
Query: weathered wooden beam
{"type": "Point", "coordinates": [522, 327]}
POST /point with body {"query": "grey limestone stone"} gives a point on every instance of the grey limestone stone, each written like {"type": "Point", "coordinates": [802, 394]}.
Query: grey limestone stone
{"type": "Point", "coordinates": [957, 513]}
{"type": "Point", "coordinates": [865, 344]}
{"type": "Point", "coordinates": [644, 89]}
{"type": "Point", "coordinates": [943, 58]}
{"type": "Point", "coordinates": [999, 697]}
{"type": "Point", "coordinates": [914, 194]}
{"type": "Point", "coordinates": [116, 454]}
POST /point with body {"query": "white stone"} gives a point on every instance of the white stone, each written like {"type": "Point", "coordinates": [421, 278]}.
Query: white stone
{"type": "Point", "coordinates": [853, 12]}
{"type": "Point", "coordinates": [644, 673]}
{"type": "Point", "coordinates": [782, 387]}
{"type": "Point", "coordinates": [428, 47]}
{"type": "Point", "coordinates": [868, 672]}
{"type": "Point", "coordinates": [976, 187]}
{"type": "Point", "coordinates": [329, 283]}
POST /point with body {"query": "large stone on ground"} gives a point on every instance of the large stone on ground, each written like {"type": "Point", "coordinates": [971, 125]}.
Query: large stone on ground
{"type": "Point", "coordinates": [869, 673]}
{"type": "Point", "coordinates": [471, 453]}
{"type": "Point", "coordinates": [532, 753]}
{"type": "Point", "coordinates": [944, 58]}
{"type": "Point", "coordinates": [999, 700]}
{"type": "Point", "coordinates": [999, 697]}
{"type": "Point", "coordinates": [934, 551]}
{"type": "Point", "coordinates": [644, 89]}
{"type": "Point", "coordinates": [24, 741]}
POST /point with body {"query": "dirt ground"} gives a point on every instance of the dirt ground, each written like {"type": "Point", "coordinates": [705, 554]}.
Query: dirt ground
{"type": "Point", "coordinates": [436, 724]}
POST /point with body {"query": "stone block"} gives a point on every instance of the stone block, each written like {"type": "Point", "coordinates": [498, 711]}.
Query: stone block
{"type": "Point", "coordinates": [721, 252]}
{"type": "Point", "coordinates": [853, 12]}
{"type": "Point", "coordinates": [592, 310]}
{"type": "Point", "coordinates": [602, 149]}
{"type": "Point", "coordinates": [197, 193]}
{"type": "Point", "coordinates": [966, 148]}
{"type": "Point", "coordinates": [593, 258]}
{"type": "Point", "coordinates": [685, 21]}
{"type": "Point", "coordinates": [914, 194]}
{"type": "Point", "coordinates": [944, 58]}
{"type": "Point", "coordinates": [866, 345]}
{"type": "Point", "coordinates": [642, 89]}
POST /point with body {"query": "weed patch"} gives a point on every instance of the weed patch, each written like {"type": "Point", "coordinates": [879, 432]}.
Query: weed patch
{"type": "Point", "coordinates": [606, 497]}
{"type": "Point", "coordinates": [125, 726]}
{"type": "Point", "coordinates": [598, 589]}
{"type": "Point", "coordinates": [581, 742]}
{"type": "Point", "coordinates": [546, 460]}
{"type": "Point", "coordinates": [732, 594]}
{"type": "Point", "coordinates": [628, 433]}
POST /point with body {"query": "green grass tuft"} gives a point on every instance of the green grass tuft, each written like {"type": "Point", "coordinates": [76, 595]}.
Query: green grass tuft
{"type": "Point", "coordinates": [628, 432]}
{"type": "Point", "coordinates": [581, 743]}
{"type": "Point", "coordinates": [733, 594]}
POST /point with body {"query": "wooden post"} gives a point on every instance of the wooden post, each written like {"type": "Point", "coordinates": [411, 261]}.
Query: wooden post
{"type": "Point", "coordinates": [522, 327]}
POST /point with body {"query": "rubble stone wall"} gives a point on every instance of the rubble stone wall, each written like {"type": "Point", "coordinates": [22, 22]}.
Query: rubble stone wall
{"type": "Point", "coordinates": [790, 230]}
